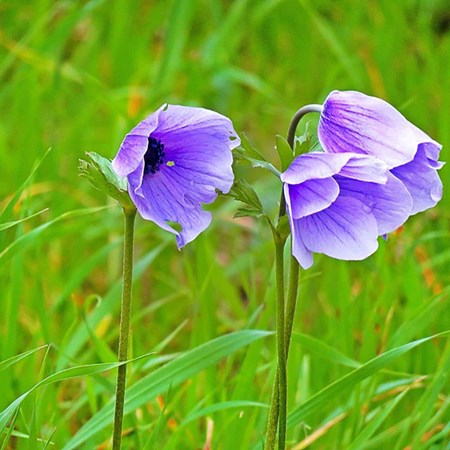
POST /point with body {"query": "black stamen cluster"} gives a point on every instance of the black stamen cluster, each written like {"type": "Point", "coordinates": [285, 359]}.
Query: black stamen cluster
{"type": "Point", "coordinates": [154, 156]}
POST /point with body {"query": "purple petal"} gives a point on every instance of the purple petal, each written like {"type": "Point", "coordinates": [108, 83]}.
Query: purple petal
{"type": "Point", "coordinates": [357, 123]}
{"type": "Point", "coordinates": [317, 165]}
{"type": "Point", "coordinates": [149, 124]}
{"type": "Point", "coordinates": [390, 203]}
{"type": "Point", "coordinates": [311, 196]}
{"type": "Point", "coordinates": [134, 146]}
{"type": "Point", "coordinates": [421, 179]}
{"type": "Point", "coordinates": [161, 199]}
{"type": "Point", "coordinates": [365, 168]}
{"type": "Point", "coordinates": [181, 121]}
{"type": "Point", "coordinates": [432, 148]}
{"type": "Point", "coordinates": [201, 158]}
{"type": "Point", "coordinates": [131, 153]}
{"type": "Point", "coordinates": [314, 165]}
{"type": "Point", "coordinates": [198, 145]}
{"type": "Point", "coordinates": [343, 231]}
{"type": "Point", "coordinates": [303, 255]}
{"type": "Point", "coordinates": [196, 159]}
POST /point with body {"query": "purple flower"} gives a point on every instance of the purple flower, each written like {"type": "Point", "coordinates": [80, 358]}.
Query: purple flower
{"type": "Point", "coordinates": [355, 122]}
{"type": "Point", "coordinates": [338, 204]}
{"type": "Point", "coordinates": [174, 161]}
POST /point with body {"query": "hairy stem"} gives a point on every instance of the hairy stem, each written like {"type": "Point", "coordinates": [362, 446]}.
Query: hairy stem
{"type": "Point", "coordinates": [285, 314]}
{"type": "Point", "coordinates": [291, 302]}
{"type": "Point", "coordinates": [281, 348]}
{"type": "Point", "coordinates": [125, 313]}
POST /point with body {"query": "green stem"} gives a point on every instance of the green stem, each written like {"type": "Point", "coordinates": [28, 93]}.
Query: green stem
{"type": "Point", "coordinates": [289, 321]}
{"type": "Point", "coordinates": [281, 348]}
{"type": "Point", "coordinates": [272, 423]}
{"type": "Point", "coordinates": [291, 302]}
{"type": "Point", "coordinates": [125, 313]}
{"type": "Point", "coordinates": [296, 120]}
{"type": "Point", "coordinates": [285, 314]}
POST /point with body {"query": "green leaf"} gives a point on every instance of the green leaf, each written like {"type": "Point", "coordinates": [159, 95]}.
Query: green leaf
{"type": "Point", "coordinates": [247, 150]}
{"type": "Point", "coordinates": [15, 359]}
{"type": "Point", "coordinates": [285, 152]}
{"type": "Point", "coordinates": [249, 154]}
{"type": "Point", "coordinates": [244, 193]}
{"type": "Point", "coordinates": [303, 142]}
{"type": "Point", "coordinates": [322, 350]}
{"type": "Point", "coordinates": [32, 237]}
{"type": "Point", "coordinates": [89, 369]}
{"type": "Point", "coordinates": [317, 401]}
{"type": "Point", "coordinates": [5, 226]}
{"type": "Point", "coordinates": [99, 172]}
{"type": "Point", "coordinates": [247, 211]}
{"type": "Point", "coordinates": [7, 212]}
{"type": "Point", "coordinates": [168, 376]}
{"type": "Point", "coordinates": [375, 423]}
{"type": "Point", "coordinates": [197, 413]}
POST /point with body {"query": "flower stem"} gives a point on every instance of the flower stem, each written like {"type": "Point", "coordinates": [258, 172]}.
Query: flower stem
{"type": "Point", "coordinates": [274, 410]}
{"type": "Point", "coordinates": [289, 321]}
{"type": "Point", "coordinates": [272, 423]}
{"type": "Point", "coordinates": [281, 348]}
{"type": "Point", "coordinates": [125, 313]}
{"type": "Point", "coordinates": [285, 313]}
{"type": "Point", "coordinates": [296, 119]}
{"type": "Point", "coordinates": [291, 302]}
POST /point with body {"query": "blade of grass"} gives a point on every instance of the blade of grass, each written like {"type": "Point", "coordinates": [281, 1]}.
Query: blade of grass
{"type": "Point", "coordinates": [170, 375]}
{"type": "Point", "coordinates": [317, 401]}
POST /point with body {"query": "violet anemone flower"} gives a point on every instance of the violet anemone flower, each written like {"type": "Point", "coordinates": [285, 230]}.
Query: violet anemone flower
{"type": "Point", "coordinates": [354, 122]}
{"type": "Point", "coordinates": [175, 160]}
{"type": "Point", "coordinates": [338, 204]}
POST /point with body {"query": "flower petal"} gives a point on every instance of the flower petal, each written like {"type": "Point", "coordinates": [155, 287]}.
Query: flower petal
{"type": "Point", "coordinates": [314, 165]}
{"type": "Point", "coordinates": [318, 165]}
{"type": "Point", "coordinates": [149, 124]}
{"type": "Point", "coordinates": [358, 123]}
{"type": "Point", "coordinates": [181, 122]}
{"type": "Point", "coordinates": [198, 145]}
{"type": "Point", "coordinates": [303, 255]}
{"type": "Point", "coordinates": [343, 231]}
{"type": "Point", "coordinates": [161, 199]}
{"type": "Point", "coordinates": [365, 168]}
{"type": "Point", "coordinates": [196, 160]}
{"type": "Point", "coordinates": [312, 196]}
{"type": "Point", "coordinates": [421, 179]}
{"type": "Point", "coordinates": [390, 203]}
{"type": "Point", "coordinates": [131, 153]}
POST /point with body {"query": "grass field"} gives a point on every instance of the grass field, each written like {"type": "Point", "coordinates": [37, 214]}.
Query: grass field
{"type": "Point", "coordinates": [75, 77]}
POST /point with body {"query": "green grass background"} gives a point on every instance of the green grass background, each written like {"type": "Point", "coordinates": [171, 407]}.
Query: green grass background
{"type": "Point", "coordinates": [76, 76]}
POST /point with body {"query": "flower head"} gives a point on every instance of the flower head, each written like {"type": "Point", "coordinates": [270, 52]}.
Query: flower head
{"type": "Point", "coordinates": [354, 122]}
{"type": "Point", "coordinates": [338, 204]}
{"type": "Point", "coordinates": [174, 161]}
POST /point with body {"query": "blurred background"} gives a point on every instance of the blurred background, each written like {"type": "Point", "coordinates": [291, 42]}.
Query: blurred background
{"type": "Point", "coordinates": [76, 76]}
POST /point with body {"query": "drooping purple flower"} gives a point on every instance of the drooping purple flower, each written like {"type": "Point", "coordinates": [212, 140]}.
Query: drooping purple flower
{"type": "Point", "coordinates": [174, 161]}
{"type": "Point", "coordinates": [354, 122]}
{"type": "Point", "coordinates": [338, 204]}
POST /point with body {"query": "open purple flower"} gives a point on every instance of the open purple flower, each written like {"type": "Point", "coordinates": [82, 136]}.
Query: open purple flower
{"type": "Point", "coordinates": [174, 161]}
{"type": "Point", "coordinates": [338, 204]}
{"type": "Point", "coordinates": [354, 122]}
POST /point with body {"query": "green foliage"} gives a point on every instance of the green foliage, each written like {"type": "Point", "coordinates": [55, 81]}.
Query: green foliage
{"type": "Point", "coordinates": [285, 152]}
{"type": "Point", "coordinates": [244, 193]}
{"type": "Point", "coordinates": [77, 76]}
{"type": "Point", "coordinates": [99, 172]}
{"type": "Point", "coordinates": [246, 152]}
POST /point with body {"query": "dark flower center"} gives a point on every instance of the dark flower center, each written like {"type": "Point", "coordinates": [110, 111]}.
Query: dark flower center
{"type": "Point", "coordinates": [154, 156]}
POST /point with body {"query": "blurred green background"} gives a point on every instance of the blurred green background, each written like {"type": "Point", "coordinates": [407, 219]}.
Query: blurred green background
{"type": "Point", "coordinates": [76, 76]}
